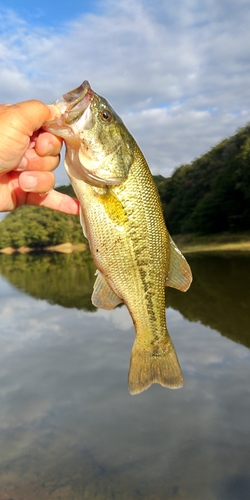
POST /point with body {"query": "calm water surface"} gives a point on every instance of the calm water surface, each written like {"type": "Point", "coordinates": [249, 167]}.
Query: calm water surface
{"type": "Point", "coordinates": [70, 430]}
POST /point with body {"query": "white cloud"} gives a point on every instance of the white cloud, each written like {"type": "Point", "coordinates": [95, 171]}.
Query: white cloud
{"type": "Point", "coordinates": [177, 73]}
{"type": "Point", "coordinates": [119, 317]}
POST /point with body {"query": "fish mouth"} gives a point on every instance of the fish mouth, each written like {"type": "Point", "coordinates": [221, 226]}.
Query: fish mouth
{"type": "Point", "coordinates": [76, 102]}
{"type": "Point", "coordinates": [72, 105]}
{"type": "Point", "coordinates": [74, 96]}
{"type": "Point", "coordinates": [75, 116]}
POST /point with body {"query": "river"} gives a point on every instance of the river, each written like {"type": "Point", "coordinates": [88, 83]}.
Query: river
{"type": "Point", "coordinates": [70, 430]}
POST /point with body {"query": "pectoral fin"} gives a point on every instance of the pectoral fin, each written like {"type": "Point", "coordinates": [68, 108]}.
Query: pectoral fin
{"type": "Point", "coordinates": [103, 296]}
{"type": "Point", "coordinates": [83, 224]}
{"type": "Point", "coordinates": [179, 275]}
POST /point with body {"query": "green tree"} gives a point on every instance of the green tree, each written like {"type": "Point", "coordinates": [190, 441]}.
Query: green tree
{"type": "Point", "coordinates": [38, 227]}
{"type": "Point", "coordinates": [212, 194]}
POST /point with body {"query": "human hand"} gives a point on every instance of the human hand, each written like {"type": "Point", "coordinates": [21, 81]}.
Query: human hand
{"type": "Point", "coordinates": [28, 156]}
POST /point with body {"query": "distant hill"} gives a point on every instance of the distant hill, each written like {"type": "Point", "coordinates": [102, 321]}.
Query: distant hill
{"type": "Point", "coordinates": [212, 194]}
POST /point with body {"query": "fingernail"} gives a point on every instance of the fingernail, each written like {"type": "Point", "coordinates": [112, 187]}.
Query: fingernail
{"type": "Point", "coordinates": [22, 165]}
{"type": "Point", "coordinates": [44, 194]}
{"type": "Point", "coordinates": [29, 181]}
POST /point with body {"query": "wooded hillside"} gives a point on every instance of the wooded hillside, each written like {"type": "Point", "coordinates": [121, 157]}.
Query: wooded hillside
{"type": "Point", "coordinates": [39, 227]}
{"type": "Point", "coordinates": [212, 194]}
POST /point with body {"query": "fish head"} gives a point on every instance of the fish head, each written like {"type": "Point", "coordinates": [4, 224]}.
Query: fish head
{"type": "Point", "coordinates": [99, 148]}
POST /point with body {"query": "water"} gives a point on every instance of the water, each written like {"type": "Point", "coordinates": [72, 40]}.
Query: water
{"type": "Point", "coordinates": [70, 430]}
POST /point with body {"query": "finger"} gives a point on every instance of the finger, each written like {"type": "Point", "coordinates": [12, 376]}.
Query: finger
{"type": "Point", "coordinates": [56, 201]}
{"type": "Point", "coordinates": [18, 124]}
{"type": "Point", "coordinates": [33, 113]}
{"type": "Point", "coordinates": [32, 161]}
{"type": "Point", "coordinates": [37, 182]}
{"type": "Point", "coordinates": [48, 144]}
{"type": "Point", "coordinates": [3, 107]}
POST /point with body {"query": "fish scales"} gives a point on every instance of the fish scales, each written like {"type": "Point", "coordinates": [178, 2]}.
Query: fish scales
{"type": "Point", "coordinates": [143, 239]}
{"type": "Point", "coordinates": [123, 221]}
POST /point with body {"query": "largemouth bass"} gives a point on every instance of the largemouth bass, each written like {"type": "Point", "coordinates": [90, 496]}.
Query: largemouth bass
{"type": "Point", "coordinates": [122, 218]}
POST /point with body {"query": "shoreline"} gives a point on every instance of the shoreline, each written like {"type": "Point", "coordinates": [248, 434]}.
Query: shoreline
{"type": "Point", "coordinates": [224, 242]}
{"type": "Point", "coordinates": [62, 248]}
{"type": "Point", "coordinates": [186, 243]}
{"type": "Point", "coordinates": [226, 247]}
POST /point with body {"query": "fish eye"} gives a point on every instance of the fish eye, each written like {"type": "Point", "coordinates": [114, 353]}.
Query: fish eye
{"type": "Point", "coordinates": [105, 115]}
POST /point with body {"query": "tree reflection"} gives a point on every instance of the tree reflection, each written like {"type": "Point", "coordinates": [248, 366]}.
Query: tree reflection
{"type": "Point", "coordinates": [64, 279]}
{"type": "Point", "coordinates": [219, 296]}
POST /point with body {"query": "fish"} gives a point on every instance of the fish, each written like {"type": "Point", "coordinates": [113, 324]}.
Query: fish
{"type": "Point", "coordinates": [122, 218]}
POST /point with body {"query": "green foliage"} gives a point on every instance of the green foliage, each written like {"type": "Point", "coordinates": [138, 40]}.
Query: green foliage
{"type": "Point", "coordinates": [212, 194]}
{"type": "Point", "coordinates": [39, 227]}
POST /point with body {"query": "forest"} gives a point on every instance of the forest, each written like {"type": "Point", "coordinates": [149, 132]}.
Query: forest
{"type": "Point", "coordinates": [39, 227]}
{"type": "Point", "coordinates": [212, 194]}
{"type": "Point", "coordinates": [208, 196]}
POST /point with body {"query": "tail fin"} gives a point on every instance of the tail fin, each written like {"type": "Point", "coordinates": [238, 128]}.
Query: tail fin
{"type": "Point", "coordinates": [147, 368]}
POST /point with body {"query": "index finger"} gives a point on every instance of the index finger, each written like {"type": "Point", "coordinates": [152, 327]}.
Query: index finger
{"type": "Point", "coordinates": [30, 114]}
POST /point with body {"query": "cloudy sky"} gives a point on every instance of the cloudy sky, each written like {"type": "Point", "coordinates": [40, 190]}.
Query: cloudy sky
{"type": "Point", "coordinates": [177, 72]}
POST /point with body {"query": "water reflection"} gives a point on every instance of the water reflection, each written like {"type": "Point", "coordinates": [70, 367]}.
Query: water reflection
{"type": "Point", "coordinates": [61, 279]}
{"type": "Point", "coordinates": [69, 430]}
{"type": "Point", "coordinates": [219, 296]}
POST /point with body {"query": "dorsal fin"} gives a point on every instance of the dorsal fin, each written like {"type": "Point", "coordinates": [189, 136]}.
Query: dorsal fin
{"type": "Point", "coordinates": [179, 274]}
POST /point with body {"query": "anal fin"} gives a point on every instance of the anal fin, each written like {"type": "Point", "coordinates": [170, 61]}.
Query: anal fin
{"type": "Point", "coordinates": [103, 296]}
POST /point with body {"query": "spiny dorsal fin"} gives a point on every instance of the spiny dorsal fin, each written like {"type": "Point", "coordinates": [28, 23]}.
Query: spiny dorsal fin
{"type": "Point", "coordinates": [103, 296]}
{"type": "Point", "coordinates": [179, 274]}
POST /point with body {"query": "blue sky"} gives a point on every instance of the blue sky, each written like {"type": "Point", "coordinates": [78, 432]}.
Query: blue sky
{"type": "Point", "coordinates": [178, 72]}
{"type": "Point", "coordinates": [49, 12]}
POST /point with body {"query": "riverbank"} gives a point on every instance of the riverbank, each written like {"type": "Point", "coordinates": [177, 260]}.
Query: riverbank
{"type": "Point", "coordinates": [224, 242]}
{"type": "Point", "coordinates": [62, 248]}
{"type": "Point", "coordinates": [187, 243]}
